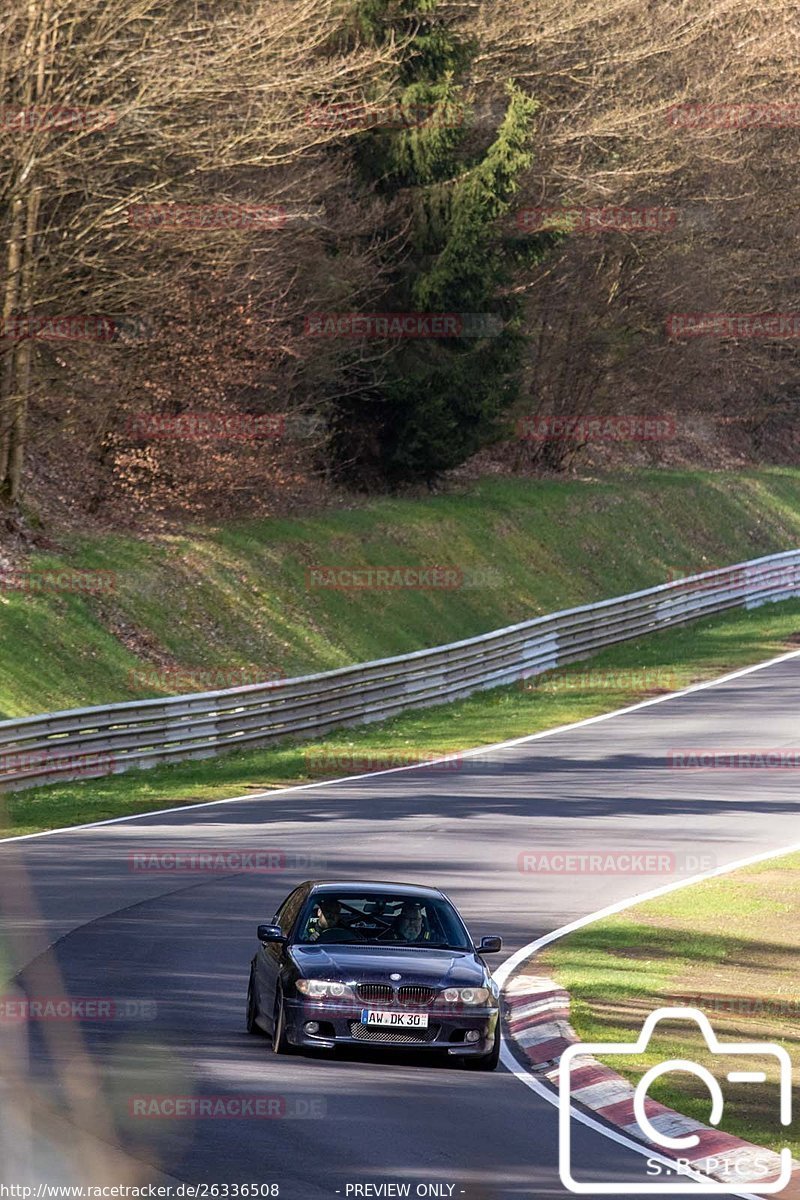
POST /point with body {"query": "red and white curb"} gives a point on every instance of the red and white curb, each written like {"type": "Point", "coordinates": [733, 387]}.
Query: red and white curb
{"type": "Point", "coordinates": [537, 1020]}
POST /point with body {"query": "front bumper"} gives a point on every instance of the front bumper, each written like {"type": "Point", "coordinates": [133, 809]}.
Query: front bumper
{"type": "Point", "coordinates": [340, 1025]}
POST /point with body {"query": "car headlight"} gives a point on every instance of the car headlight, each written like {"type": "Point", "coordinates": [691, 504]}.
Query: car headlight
{"type": "Point", "coordinates": [324, 989]}
{"type": "Point", "coordinates": [478, 995]}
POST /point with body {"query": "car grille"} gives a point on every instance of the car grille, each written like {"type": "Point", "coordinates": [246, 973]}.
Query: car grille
{"type": "Point", "coordinates": [380, 992]}
{"type": "Point", "coordinates": [415, 995]}
{"type": "Point", "coordinates": [364, 1033]}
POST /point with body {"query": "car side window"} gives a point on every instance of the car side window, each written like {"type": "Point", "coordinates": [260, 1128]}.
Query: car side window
{"type": "Point", "coordinates": [287, 913]}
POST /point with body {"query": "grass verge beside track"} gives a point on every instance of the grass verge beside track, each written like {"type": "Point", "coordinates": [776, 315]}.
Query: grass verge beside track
{"type": "Point", "coordinates": [727, 946]}
{"type": "Point", "coordinates": [620, 675]}
{"type": "Point", "coordinates": [205, 608]}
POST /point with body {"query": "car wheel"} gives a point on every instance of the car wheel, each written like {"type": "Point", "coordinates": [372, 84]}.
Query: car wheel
{"type": "Point", "coordinates": [487, 1062]}
{"type": "Point", "coordinates": [252, 1005]}
{"type": "Point", "coordinates": [280, 1042]}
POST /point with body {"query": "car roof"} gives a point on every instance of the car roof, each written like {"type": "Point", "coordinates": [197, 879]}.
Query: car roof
{"type": "Point", "coordinates": [372, 887]}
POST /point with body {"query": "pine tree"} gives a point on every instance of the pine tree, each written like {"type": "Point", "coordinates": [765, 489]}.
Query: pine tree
{"type": "Point", "coordinates": [441, 399]}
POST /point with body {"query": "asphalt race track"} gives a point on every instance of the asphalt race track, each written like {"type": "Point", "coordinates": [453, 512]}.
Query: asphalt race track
{"type": "Point", "coordinates": [185, 941]}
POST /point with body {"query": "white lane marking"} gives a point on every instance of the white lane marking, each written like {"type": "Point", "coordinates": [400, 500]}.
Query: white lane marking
{"type": "Point", "coordinates": [504, 970]}
{"type": "Point", "coordinates": [507, 1058]}
{"type": "Point", "coordinates": [520, 741]}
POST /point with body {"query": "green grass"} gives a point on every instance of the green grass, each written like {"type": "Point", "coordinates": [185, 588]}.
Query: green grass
{"type": "Point", "coordinates": [728, 947]}
{"type": "Point", "coordinates": [620, 675]}
{"type": "Point", "coordinates": [237, 596]}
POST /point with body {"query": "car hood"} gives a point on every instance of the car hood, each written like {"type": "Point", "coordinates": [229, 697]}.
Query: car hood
{"type": "Point", "coordinates": [435, 968]}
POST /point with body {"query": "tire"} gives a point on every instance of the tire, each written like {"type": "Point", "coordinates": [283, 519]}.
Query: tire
{"type": "Point", "coordinates": [487, 1062]}
{"type": "Point", "coordinates": [280, 1042]}
{"type": "Point", "coordinates": [252, 1007]}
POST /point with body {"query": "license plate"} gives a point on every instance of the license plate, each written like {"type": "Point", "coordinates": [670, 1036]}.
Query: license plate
{"type": "Point", "coordinates": [397, 1020]}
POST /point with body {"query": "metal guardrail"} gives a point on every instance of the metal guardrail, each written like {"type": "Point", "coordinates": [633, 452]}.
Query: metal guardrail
{"type": "Point", "coordinates": [111, 738]}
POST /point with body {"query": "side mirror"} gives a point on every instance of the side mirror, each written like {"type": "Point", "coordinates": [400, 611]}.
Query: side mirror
{"type": "Point", "coordinates": [490, 945]}
{"type": "Point", "coordinates": [271, 933]}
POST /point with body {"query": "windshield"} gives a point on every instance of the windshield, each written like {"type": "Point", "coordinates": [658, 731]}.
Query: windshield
{"type": "Point", "coordinates": [382, 919]}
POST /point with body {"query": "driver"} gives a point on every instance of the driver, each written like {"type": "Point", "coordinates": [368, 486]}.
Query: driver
{"type": "Point", "coordinates": [329, 915]}
{"type": "Point", "coordinates": [410, 924]}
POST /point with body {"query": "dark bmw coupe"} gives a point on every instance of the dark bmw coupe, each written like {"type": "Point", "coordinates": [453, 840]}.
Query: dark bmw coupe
{"type": "Point", "coordinates": [381, 964]}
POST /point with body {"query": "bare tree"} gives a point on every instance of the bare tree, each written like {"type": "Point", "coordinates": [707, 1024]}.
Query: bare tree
{"type": "Point", "coordinates": [126, 103]}
{"type": "Point", "coordinates": [618, 86]}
